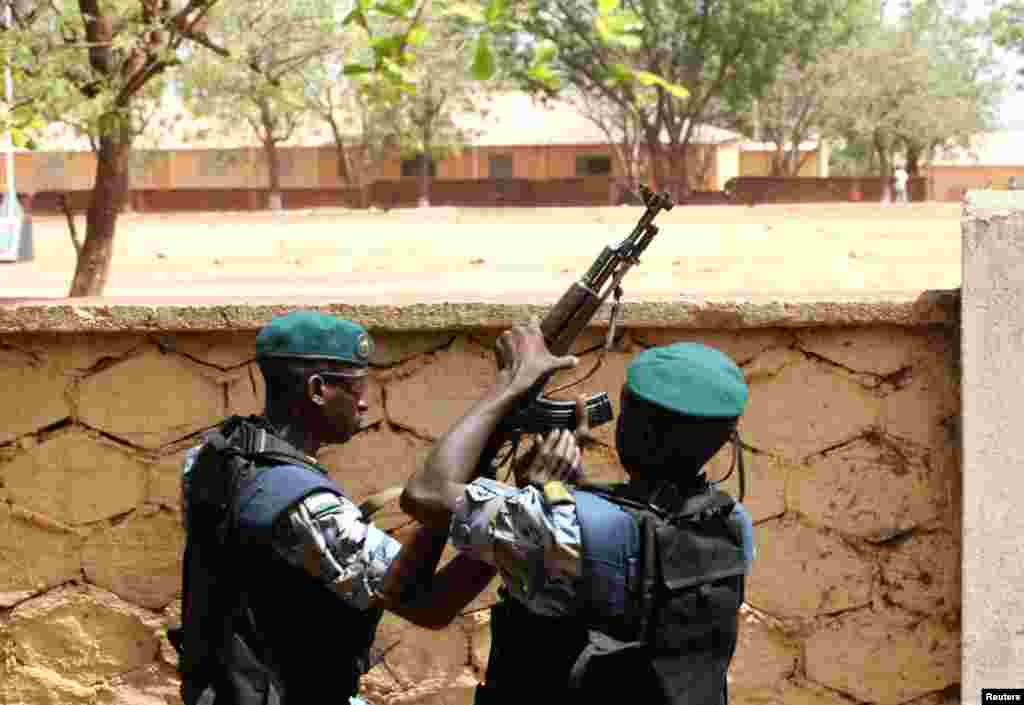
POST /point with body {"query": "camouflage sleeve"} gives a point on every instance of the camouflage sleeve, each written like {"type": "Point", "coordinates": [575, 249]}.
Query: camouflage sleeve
{"type": "Point", "coordinates": [535, 545]}
{"type": "Point", "coordinates": [326, 536]}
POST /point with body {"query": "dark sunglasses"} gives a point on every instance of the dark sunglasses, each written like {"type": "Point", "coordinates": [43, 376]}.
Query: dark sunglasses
{"type": "Point", "coordinates": [357, 383]}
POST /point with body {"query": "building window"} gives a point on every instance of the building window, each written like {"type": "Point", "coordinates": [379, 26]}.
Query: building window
{"type": "Point", "coordinates": [413, 167]}
{"type": "Point", "coordinates": [593, 165]}
{"type": "Point", "coordinates": [499, 166]}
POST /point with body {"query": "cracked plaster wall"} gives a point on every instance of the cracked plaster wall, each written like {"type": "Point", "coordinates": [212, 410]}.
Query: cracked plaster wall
{"type": "Point", "coordinates": [854, 487]}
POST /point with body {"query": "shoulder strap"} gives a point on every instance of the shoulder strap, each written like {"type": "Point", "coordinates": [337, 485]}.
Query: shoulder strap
{"type": "Point", "coordinates": [255, 441]}
{"type": "Point", "coordinates": [701, 505]}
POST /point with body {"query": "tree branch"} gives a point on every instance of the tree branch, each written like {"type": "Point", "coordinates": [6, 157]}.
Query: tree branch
{"type": "Point", "coordinates": [99, 34]}
{"type": "Point", "coordinates": [139, 79]}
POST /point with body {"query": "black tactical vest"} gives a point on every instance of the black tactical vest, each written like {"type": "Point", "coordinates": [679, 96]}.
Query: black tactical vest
{"type": "Point", "coordinates": [255, 629]}
{"type": "Point", "coordinates": [659, 594]}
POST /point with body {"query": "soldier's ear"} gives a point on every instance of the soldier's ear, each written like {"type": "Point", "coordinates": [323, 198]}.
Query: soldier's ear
{"type": "Point", "coordinates": [315, 389]}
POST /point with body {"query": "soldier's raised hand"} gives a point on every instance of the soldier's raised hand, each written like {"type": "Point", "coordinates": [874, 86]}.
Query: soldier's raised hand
{"type": "Point", "coordinates": [523, 356]}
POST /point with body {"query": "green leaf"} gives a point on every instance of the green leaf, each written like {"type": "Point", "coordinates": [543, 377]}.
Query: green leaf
{"type": "Point", "coordinates": [388, 45]}
{"type": "Point", "coordinates": [543, 74]}
{"type": "Point", "coordinates": [622, 22]}
{"type": "Point", "coordinates": [545, 54]}
{"type": "Point", "coordinates": [19, 137]}
{"type": "Point", "coordinates": [495, 10]}
{"type": "Point", "coordinates": [417, 35]}
{"type": "Point", "coordinates": [606, 7]}
{"type": "Point", "coordinates": [392, 9]}
{"type": "Point", "coordinates": [356, 70]}
{"type": "Point", "coordinates": [356, 16]}
{"type": "Point", "coordinates": [620, 73]}
{"type": "Point", "coordinates": [483, 59]}
{"type": "Point", "coordinates": [647, 78]}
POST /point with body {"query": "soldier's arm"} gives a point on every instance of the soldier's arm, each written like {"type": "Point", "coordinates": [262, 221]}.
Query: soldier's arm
{"type": "Point", "coordinates": [325, 535]}
{"type": "Point", "coordinates": [491, 523]}
{"type": "Point", "coordinates": [434, 490]}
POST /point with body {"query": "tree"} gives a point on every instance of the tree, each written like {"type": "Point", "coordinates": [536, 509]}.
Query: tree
{"type": "Point", "coordinates": [261, 82]}
{"type": "Point", "coordinates": [965, 81]}
{"type": "Point", "coordinates": [789, 113]}
{"type": "Point", "coordinates": [1006, 24]}
{"type": "Point", "coordinates": [422, 113]}
{"type": "Point", "coordinates": [98, 64]}
{"type": "Point", "coordinates": [346, 106]}
{"type": "Point", "coordinates": [95, 63]}
{"type": "Point", "coordinates": [908, 90]}
{"type": "Point", "coordinates": [622, 129]}
{"type": "Point", "coordinates": [675, 63]}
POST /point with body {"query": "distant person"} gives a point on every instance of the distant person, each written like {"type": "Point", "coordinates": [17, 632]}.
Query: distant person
{"type": "Point", "coordinates": [1011, 183]}
{"type": "Point", "coordinates": [899, 181]}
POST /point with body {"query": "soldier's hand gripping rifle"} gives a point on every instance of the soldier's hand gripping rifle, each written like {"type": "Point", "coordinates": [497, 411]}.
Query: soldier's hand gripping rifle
{"type": "Point", "coordinates": [564, 323]}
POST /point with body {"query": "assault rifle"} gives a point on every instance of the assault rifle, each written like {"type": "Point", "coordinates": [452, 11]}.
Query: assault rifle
{"type": "Point", "coordinates": [564, 323]}
{"type": "Point", "coordinates": [561, 326]}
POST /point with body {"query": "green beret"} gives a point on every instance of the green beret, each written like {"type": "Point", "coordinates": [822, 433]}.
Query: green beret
{"type": "Point", "coordinates": [310, 334]}
{"type": "Point", "coordinates": [690, 379]}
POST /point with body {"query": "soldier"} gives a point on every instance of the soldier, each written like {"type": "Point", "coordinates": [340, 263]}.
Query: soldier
{"type": "Point", "coordinates": [284, 588]}
{"type": "Point", "coordinates": [631, 588]}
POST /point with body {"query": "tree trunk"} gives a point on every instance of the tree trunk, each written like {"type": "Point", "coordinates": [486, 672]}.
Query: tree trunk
{"type": "Point", "coordinates": [423, 180]}
{"type": "Point", "coordinates": [678, 158]}
{"type": "Point", "coordinates": [275, 201]}
{"type": "Point", "coordinates": [778, 165]}
{"type": "Point", "coordinates": [108, 197]}
{"type": "Point", "coordinates": [884, 168]}
{"type": "Point", "coordinates": [913, 160]}
{"type": "Point", "coordinates": [656, 154]}
{"type": "Point", "coordinates": [347, 174]}
{"type": "Point", "coordinates": [344, 173]}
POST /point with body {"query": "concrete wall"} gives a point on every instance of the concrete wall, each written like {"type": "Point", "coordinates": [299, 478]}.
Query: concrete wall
{"type": "Point", "coordinates": [854, 486]}
{"type": "Point", "coordinates": [993, 376]}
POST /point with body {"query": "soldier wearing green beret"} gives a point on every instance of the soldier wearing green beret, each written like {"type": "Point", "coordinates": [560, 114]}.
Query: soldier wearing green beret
{"type": "Point", "coordinates": [298, 577]}
{"type": "Point", "coordinates": [630, 589]}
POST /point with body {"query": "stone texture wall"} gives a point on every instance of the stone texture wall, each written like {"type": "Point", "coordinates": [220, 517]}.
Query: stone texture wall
{"type": "Point", "coordinates": [854, 487]}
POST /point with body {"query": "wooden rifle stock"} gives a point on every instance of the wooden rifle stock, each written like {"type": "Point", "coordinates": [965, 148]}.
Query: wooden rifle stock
{"type": "Point", "coordinates": [573, 312]}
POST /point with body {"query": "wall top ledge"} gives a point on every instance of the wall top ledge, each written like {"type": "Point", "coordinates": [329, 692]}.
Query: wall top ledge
{"type": "Point", "coordinates": [116, 315]}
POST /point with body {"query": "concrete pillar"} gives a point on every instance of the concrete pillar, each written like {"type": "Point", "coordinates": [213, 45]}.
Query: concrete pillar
{"type": "Point", "coordinates": [993, 442]}
{"type": "Point", "coordinates": [824, 152]}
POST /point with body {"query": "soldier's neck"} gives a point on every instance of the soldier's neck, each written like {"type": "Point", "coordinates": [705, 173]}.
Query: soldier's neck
{"type": "Point", "coordinates": [288, 427]}
{"type": "Point", "coordinates": [648, 487]}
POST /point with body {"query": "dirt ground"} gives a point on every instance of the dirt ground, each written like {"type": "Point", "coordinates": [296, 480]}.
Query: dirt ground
{"type": "Point", "coordinates": [437, 254]}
